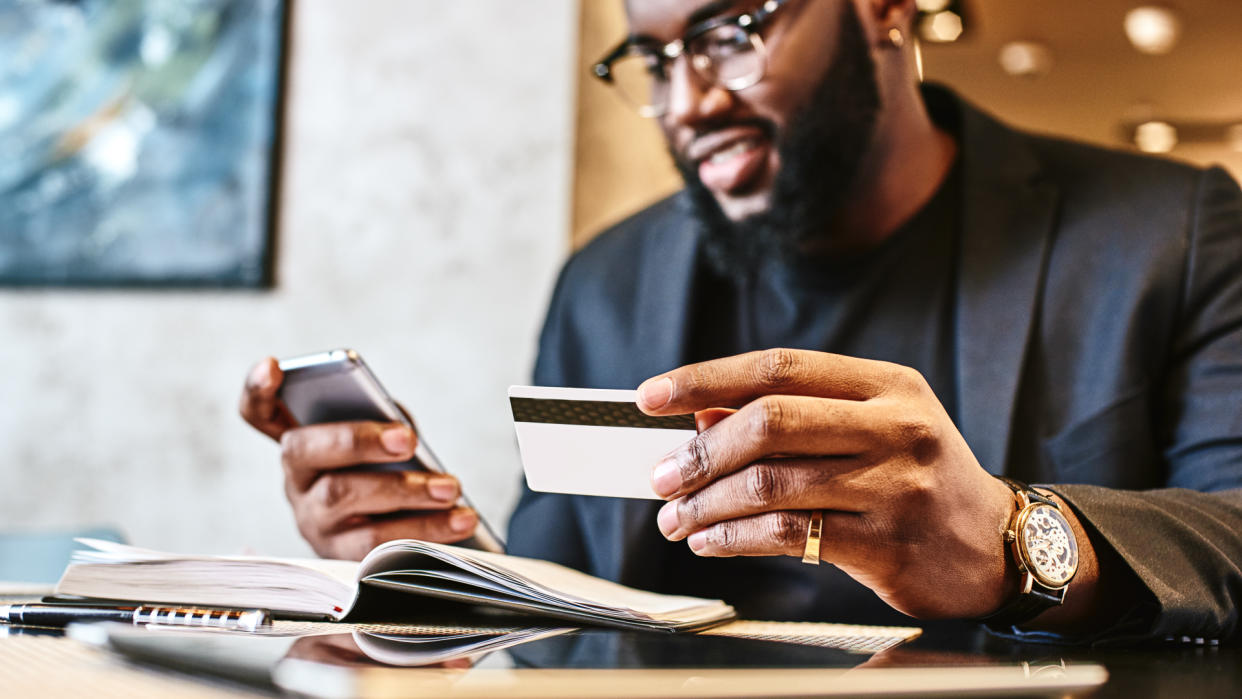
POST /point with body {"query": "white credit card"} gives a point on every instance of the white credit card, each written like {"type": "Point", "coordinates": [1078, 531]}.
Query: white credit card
{"type": "Point", "coordinates": [589, 441]}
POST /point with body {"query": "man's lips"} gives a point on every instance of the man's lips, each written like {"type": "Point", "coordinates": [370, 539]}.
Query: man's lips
{"type": "Point", "coordinates": [734, 165]}
{"type": "Point", "coordinates": [702, 147]}
{"type": "Point", "coordinates": [730, 160]}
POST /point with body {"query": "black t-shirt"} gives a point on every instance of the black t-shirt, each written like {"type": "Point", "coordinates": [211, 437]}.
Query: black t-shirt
{"type": "Point", "coordinates": [894, 303]}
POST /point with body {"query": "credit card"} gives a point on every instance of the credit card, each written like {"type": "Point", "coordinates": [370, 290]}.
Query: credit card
{"type": "Point", "coordinates": [588, 441]}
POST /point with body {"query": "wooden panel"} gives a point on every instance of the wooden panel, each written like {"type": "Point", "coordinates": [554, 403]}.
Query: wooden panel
{"type": "Point", "coordinates": [620, 162]}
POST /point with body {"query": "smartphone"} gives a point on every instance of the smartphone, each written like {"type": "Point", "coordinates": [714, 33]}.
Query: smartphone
{"type": "Point", "coordinates": [338, 386]}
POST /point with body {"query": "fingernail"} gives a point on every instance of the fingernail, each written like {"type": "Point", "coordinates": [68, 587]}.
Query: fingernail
{"type": "Point", "coordinates": [397, 440]}
{"type": "Point", "coordinates": [261, 377]}
{"type": "Point", "coordinates": [667, 520]}
{"type": "Point", "coordinates": [665, 478]}
{"type": "Point", "coordinates": [442, 489]}
{"type": "Point", "coordinates": [697, 541]}
{"type": "Point", "coordinates": [656, 393]}
{"type": "Point", "coordinates": [462, 521]}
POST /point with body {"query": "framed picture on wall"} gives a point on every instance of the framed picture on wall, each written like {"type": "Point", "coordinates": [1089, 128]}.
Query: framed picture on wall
{"type": "Point", "coordinates": [139, 141]}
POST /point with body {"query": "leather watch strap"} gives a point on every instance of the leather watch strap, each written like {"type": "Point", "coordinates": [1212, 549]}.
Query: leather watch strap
{"type": "Point", "coordinates": [1027, 605]}
{"type": "Point", "coordinates": [1024, 607]}
{"type": "Point", "coordinates": [1018, 488]}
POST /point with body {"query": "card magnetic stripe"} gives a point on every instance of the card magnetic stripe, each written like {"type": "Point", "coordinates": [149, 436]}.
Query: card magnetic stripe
{"type": "Point", "coordinates": [596, 413]}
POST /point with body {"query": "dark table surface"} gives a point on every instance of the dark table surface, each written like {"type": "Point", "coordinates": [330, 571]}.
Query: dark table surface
{"type": "Point", "coordinates": [1162, 670]}
{"type": "Point", "coordinates": [1165, 669]}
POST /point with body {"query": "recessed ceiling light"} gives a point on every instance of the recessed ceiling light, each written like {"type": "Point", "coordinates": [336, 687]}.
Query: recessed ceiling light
{"type": "Point", "coordinates": [942, 27]}
{"type": "Point", "coordinates": [1152, 29]}
{"type": "Point", "coordinates": [1029, 59]}
{"type": "Point", "coordinates": [1234, 137]}
{"type": "Point", "coordinates": [1155, 137]}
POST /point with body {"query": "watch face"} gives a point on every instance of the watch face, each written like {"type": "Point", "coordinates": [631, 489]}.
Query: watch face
{"type": "Point", "coordinates": [1051, 552]}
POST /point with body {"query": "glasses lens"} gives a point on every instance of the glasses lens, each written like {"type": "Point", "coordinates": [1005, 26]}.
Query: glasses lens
{"type": "Point", "coordinates": [639, 77]}
{"type": "Point", "coordinates": [728, 56]}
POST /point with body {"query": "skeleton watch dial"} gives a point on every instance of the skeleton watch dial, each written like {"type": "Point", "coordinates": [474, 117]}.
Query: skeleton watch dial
{"type": "Point", "coordinates": [1048, 545]}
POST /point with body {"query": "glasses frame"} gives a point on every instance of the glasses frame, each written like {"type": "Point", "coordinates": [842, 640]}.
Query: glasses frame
{"type": "Point", "coordinates": [750, 22]}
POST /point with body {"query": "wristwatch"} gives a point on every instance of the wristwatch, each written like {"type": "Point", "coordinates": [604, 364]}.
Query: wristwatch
{"type": "Point", "coordinates": [1045, 551]}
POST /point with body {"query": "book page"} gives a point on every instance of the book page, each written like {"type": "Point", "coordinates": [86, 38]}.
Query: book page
{"type": "Point", "coordinates": [305, 586]}
{"type": "Point", "coordinates": [344, 572]}
{"type": "Point", "coordinates": [571, 583]}
{"type": "Point", "coordinates": [558, 582]}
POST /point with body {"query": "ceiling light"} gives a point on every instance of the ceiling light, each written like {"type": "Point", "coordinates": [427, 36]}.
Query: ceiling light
{"type": "Point", "coordinates": [1026, 59]}
{"type": "Point", "coordinates": [1155, 137]}
{"type": "Point", "coordinates": [932, 5]}
{"type": "Point", "coordinates": [1234, 137]}
{"type": "Point", "coordinates": [941, 27]}
{"type": "Point", "coordinates": [1153, 30]}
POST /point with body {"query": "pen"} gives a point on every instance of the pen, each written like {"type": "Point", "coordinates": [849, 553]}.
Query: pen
{"type": "Point", "coordinates": [64, 614]}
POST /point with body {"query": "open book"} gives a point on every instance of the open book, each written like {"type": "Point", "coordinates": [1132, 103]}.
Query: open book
{"type": "Point", "coordinates": [330, 589]}
{"type": "Point", "coordinates": [408, 650]}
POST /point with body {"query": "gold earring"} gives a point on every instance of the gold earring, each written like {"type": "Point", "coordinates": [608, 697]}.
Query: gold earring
{"type": "Point", "coordinates": [896, 38]}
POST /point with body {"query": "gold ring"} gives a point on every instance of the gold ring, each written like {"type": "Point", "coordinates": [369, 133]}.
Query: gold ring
{"type": "Point", "coordinates": [813, 531]}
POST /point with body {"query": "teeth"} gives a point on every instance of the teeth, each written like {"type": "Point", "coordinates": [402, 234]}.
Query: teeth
{"type": "Point", "coordinates": [732, 151]}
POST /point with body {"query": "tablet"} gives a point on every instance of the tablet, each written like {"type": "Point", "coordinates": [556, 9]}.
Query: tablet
{"type": "Point", "coordinates": [388, 662]}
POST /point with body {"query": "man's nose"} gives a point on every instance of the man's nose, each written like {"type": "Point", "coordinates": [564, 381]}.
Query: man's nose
{"type": "Point", "coordinates": [692, 99]}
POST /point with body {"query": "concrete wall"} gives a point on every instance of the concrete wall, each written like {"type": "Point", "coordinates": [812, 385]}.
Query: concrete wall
{"type": "Point", "coordinates": [424, 214]}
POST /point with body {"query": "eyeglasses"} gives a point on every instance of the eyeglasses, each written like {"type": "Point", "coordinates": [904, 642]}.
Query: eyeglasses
{"type": "Point", "coordinates": [727, 51]}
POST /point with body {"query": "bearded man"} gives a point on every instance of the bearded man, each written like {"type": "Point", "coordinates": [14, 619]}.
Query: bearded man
{"type": "Point", "coordinates": [888, 312]}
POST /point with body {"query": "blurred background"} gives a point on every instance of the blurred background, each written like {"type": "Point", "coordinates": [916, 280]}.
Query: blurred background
{"type": "Point", "coordinates": [1120, 73]}
{"type": "Point", "coordinates": [421, 214]}
{"type": "Point", "coordinates": [399, 176]}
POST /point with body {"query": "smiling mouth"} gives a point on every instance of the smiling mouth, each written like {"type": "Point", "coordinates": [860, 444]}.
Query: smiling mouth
{"type": "Point", "coordinates": [732, 151]}
{"type": "Point", "coordinates": [736, 166]}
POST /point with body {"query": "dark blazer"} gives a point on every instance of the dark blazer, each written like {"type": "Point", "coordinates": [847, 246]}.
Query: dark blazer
{"type": "Point", "coordinates": [1099, 349]}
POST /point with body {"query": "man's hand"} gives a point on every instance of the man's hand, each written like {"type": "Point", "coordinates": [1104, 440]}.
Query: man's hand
{"type": "Point", "coordinates": [344, 513]}
{"type": "Point", "coordinates": [908, 511]}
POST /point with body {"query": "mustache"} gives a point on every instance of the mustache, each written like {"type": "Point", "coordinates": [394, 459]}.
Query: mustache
{"type": "Point", "coordinates": [679, 150]}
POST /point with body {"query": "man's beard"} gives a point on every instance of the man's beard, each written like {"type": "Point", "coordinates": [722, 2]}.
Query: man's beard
{"type": "Point", "coordinates": [820, 155]}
